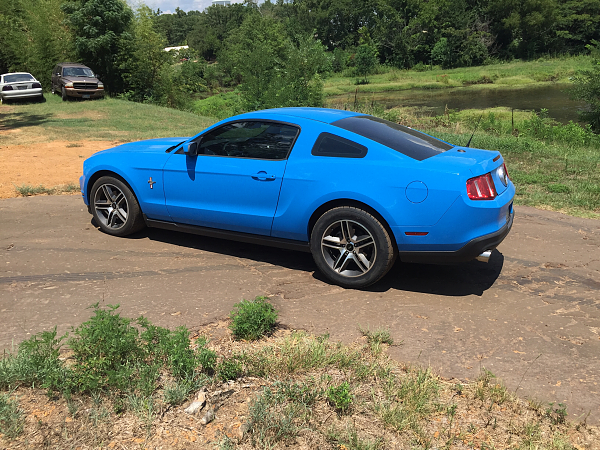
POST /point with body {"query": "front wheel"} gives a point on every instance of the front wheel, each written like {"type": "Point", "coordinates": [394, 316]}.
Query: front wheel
{"type": "Point", "coordinates": [63, 94]}
{"type": "Point", "coordinates": [115, 208]}
{"type": "Point", "coordinates": [351, 247]}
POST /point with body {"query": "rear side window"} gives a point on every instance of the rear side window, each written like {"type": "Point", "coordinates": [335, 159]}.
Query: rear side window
{"type": "Point", "coordinates": [328, 144]}
{"type": "Point", "coordinates": [407, 141]}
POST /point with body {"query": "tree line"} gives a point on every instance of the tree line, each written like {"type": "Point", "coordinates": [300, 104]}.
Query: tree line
{"type": "Point", "coordinates": [276, 53]}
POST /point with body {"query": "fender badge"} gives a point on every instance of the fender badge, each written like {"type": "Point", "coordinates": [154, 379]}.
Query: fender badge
{"type": "Point", "coordinates": [151, 183]}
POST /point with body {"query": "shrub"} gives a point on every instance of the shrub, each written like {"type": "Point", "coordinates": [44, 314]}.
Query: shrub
{"type": "Point", "coordinates": [340, 397]}
{"type": "Point", "coordinates": [229, 369]}
{"type": "Point", "coordinates": [252, 319]}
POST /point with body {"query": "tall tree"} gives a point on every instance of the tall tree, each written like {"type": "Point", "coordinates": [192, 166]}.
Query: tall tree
{"type": "Point", "coordinates": [99, 26]}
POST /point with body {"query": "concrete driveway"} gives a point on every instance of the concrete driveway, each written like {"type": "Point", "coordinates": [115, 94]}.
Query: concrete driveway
{"type": "Point", "coordinates": [531, 316]}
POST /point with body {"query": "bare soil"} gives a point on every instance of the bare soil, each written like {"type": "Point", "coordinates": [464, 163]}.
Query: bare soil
{"type": "Point", "coordinates": [48, 164]}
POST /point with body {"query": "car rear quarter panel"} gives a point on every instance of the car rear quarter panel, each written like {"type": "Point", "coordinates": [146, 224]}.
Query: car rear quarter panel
{"type": "Point", "coordinates": [379, 180]}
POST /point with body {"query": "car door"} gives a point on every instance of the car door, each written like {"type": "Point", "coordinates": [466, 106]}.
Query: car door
{"type": "Point", "coordinates": [233, 182]}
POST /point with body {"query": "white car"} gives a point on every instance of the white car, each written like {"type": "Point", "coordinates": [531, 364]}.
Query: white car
{"type": "Point", "coordinates": [19, 85]}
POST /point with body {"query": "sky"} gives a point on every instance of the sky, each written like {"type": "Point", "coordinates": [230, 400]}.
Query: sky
{"type": "Point", "coordinates": [168, 6]}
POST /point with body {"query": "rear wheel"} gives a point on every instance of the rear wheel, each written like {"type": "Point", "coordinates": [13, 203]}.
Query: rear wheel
{"type": "Point", "coordinates": [3, 100]}
{"type": "Point", "coordinates": [351, 247]}
{"type": "Point", "coordinates": [115, 208]}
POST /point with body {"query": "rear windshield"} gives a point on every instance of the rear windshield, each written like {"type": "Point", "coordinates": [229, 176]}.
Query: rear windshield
{"type": "Point", "coordinates": [14, 78]}
{"type": "Point", "coordinates": [405, 140]}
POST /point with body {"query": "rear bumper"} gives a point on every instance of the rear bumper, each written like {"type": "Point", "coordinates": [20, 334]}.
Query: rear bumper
{"type": "Point", "coordinates": [22, 93]}
{"type": "Point", "coordinates": [467, 252]}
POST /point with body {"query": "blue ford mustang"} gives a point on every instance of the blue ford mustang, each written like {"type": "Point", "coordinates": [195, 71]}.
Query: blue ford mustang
{"type": "Point", "coordinates": [354, 190]}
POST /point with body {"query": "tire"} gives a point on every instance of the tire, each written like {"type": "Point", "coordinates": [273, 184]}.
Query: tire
{"type": "Point", "coordinates": [115, 208]}
{"type": "Point", "coordinates": [3, 101]}
{"type": "Point", "coordinates": [351, 247]}
{"type": "Point", "coordinates": [63, 92]}
{"type": "Point", "coordinates": [52, 90]}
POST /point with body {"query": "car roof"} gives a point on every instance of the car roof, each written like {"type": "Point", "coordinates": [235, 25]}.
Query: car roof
{"type": "Point", "coordinates": [325, 115]}
{"type": "Point", "coordinates": [16, 73]}
{"type": "Point", "coordinates": [65, 64]}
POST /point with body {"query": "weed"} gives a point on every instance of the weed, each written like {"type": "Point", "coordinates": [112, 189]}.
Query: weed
{"type": "Point", "coordinates": [226, 444]}
{"type": "Point", "coordinates": [376, 338]}
{"type": "Point", "coordinates": [177, 393]}
{"type": "Point", "coordinates": [229, 369]}
{"type": "Point", "coordinates": [253, 319]}
{"type": "Point", "coordinates": [350, 440]}
{"type": "Point", "coordinates": [486, 387]}
{"type": "Point", "coordinates": [273, 419]}
{"type": "Point", "coordinates": [27, 190]}
{"type": "Point", "coordinates": [558, 414]}
{"type": "Point", "coordinates": [11, 417]}
{"type": "Point", "coordinates": [340, 397]}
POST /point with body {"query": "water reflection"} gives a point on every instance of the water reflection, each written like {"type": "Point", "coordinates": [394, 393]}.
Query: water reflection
{"type": "Point", "coordinates": [434, 102]}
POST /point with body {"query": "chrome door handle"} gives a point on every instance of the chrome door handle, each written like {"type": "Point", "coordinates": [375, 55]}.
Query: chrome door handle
{"type": "Point", "coordinates": [262, 176]}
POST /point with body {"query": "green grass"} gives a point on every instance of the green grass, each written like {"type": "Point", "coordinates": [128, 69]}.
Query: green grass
{"type": "Point", "coordinates": [553, 166]}
{"type": "Point", "coordinates": [493, 76]}
{"type": "Point", "coordinates": [344, 397]}
{"type": "Point", "coordinates": [27, 190]}
{"type": "Point", "coordinates": [106, 119]}
{"type": "Point", "coordinates": [252, 319]}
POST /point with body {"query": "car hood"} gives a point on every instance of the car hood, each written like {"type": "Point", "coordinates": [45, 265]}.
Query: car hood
{"type": "Point", "coordinates": [81, 79]}
{"type": "Point", "coordinates": [147, 146]}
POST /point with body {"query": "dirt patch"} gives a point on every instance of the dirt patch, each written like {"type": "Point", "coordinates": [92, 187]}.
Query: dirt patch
{"type": "Point", "coordinates": [287, 408]}
{"type": "Point", "coordinates": [49, 164]}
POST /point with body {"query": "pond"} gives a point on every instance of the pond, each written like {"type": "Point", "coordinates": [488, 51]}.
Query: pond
{"type": "Point", "coordinates": [434, 102]}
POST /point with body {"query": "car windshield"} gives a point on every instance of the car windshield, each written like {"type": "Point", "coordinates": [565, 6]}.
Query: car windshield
{"type": "Point", "coordinates": [77, 72]}
{"type": "Point", "coordinates": [405, 140]}
{"type": "Point", "coordinates": [16, 77]}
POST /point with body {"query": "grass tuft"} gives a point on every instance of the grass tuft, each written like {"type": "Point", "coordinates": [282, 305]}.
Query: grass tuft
{"type": "Point", "coordinates": [11, 417]}
{"type": "Point", "coordinates": [253, 319]}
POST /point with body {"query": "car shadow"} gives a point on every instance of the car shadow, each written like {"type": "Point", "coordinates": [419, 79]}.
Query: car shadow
{"type": "Point", "coordinates": [456, 280]}
{"type": "Point", "coordinates": [471, 278]}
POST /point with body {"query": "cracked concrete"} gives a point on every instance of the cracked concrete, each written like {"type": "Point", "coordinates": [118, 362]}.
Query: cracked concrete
{"type": "Point", "coordinates": [531, 316]}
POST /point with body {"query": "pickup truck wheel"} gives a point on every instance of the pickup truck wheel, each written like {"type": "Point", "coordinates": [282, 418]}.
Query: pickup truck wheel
{"type": "Point", "coordinates": [64, 94]}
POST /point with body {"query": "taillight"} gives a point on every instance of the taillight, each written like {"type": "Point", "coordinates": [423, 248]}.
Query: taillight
{"type": "Point", "coordinates": [506, 170]}
{"type": "Point", "coordinates": [36, 85]}
{"type": "Point", "coordinates": [7, 88]}
{"type": "Point", "coordinates": [481, 187]}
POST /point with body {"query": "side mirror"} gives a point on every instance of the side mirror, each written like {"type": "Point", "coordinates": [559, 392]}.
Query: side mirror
{"type": "Point", "coordinates": [190, 149]}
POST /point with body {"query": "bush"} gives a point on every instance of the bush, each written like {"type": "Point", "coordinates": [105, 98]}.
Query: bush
{"type": "Point", "coordinates": [252, 319]}
{"type": "Point", "coordinates": [229, 369]}
{"type": "Point", "coordinates": [340, 397]}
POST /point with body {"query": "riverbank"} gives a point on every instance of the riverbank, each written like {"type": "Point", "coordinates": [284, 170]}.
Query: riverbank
{"type": "Point", "coordinates": [493, 76]}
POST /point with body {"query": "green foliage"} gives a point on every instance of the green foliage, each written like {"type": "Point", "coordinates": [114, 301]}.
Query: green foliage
{"type": "Point", "coordinates": [111, 354]}
{"type": "Point", "coordinates": [145, 62]}
{"type": "Point", "coordinates": [252, 319]}
{"type": "Point", "coordinates": [365, 60]}
{"type": "Point", "coordinates": [220, 106]}
{"type": "Point", "coordinates": [36, 363]}
{"type": "Point", "coordinates": [101, 29]}
{"type": "Point", "coordinates": [587, 88]}
{"type": "Point", "coordinates": [33, 37]}
{"type": "Point", "coordinates": [340, 397]}
{"type": "Point", "coordinates": [229, 369]}
{"type": "Point", "coordinates": [274, 69]}
{"type": "Point", "coordinates": [11, 417]}
{"type": "Point", "coordinates": [557, 414]}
